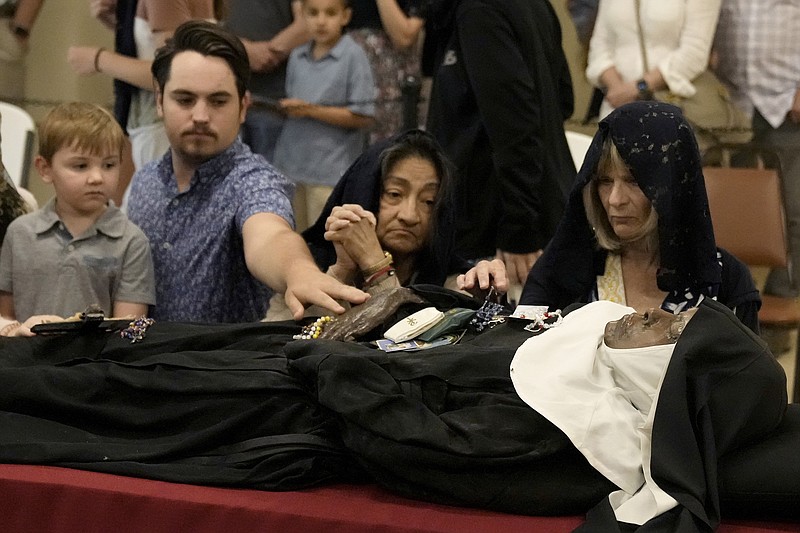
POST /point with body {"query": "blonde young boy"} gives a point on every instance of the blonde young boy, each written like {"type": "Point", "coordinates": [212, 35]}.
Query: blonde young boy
{"type": "Point", "coordinates": [79, 249]}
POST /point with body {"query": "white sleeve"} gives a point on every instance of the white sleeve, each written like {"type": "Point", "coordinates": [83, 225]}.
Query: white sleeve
{"type": "Point", "coordinates": [687, 61]}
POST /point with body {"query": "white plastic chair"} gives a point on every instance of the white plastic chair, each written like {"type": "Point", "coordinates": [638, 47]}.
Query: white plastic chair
{"type": "Point", "coordinates": [17, 134]}
{"type": "Point", "coordinates": [578, 146]}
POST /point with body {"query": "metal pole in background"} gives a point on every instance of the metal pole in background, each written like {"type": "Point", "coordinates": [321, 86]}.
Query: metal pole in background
{"type": "Point", "coordinates": [411, 93]}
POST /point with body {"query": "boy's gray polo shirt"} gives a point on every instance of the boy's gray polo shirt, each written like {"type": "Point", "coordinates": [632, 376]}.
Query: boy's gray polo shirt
{"type": "Point", "coordinates": [50, 272]}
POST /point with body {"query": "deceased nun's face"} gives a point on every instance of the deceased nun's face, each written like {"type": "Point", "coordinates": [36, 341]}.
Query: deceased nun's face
{"type": "Point", "coordinates": [652, 328]}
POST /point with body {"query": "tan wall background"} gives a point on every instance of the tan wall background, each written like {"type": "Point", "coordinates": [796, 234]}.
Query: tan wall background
{"type": "Point", "coordinates": [63, 23]}
{"type": "Point", "coordinates": [49, 80]}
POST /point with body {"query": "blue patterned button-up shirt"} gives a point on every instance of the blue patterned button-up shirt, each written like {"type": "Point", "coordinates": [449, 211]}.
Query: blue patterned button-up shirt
{"type": "Point", "coordinates": [196, 235]}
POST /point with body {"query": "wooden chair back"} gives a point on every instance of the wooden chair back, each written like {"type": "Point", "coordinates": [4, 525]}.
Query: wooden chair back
{"type": "Point", "coordinates": [748, 214]}
{"type": "Point", "coordinates": [749, 218]}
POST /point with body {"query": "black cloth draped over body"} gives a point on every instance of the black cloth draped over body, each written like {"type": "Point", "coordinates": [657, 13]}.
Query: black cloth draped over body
{"type": "Point", "coordinates": [245, 406]}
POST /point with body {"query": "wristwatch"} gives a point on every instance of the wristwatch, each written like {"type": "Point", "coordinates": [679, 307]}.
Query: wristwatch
{"type": "Point", "coordinates": [644, 90]}
{"type": "Point", "coordinates": [20, 31]}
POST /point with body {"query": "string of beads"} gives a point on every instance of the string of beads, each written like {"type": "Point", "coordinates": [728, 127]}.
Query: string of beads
{"type": "Point", "coordinates": [136, 329]}
{"type": "Point", "coordinates": [315, 329]}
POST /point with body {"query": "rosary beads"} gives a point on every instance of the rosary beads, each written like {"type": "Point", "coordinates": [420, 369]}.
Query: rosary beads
{"type": "Point", "coordinates": [315, 329]}
{"type": "Point", "coordinates": [136, 329]}
{"type": "Point", "coordinates": [488, 314]}
{"type": "Point", "coordinates": [545, 321]}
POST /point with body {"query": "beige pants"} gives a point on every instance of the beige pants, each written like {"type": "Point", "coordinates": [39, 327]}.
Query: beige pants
{"type": "Point", "coordinates": [308, 203]}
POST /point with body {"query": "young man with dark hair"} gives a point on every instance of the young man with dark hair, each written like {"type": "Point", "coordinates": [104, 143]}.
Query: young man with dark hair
{"type": "Point", "coordinates": [219, 217]}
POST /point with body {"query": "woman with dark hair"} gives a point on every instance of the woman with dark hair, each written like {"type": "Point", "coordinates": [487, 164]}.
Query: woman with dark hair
{"type": "Point", "coordinates": [389, 221]}
{"type": "Point", "coordinates": [636, 229]}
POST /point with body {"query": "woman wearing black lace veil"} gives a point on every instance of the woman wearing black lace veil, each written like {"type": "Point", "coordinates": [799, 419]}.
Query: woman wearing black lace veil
{"type": "Point", "coordinates": [667, 257]}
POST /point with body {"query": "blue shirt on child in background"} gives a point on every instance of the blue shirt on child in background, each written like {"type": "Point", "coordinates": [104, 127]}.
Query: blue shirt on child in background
{"type": "Point", "coordinates": [313, 152]}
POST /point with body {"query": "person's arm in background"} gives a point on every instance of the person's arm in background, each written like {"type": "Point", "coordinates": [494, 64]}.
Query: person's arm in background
{"type": "Point", "coordinates": [333, 115]}
{"type": "Point", "coordinates": [403, 30]}
{"type": "Point", "coordinates": [278, 257]}
{"type": "Point", "coordinates": [129, 309]}
{"type": "Point", "coordinates": [356, 113]}
{"type": "Point", "coordinates": [601, 47]}
{"type": "Point", "coordinates": [691, 57]}
{"type": "Point", "coordinates": [88, 60]}
{"type": "Point", "coordinates": [105, 11]}
{"type": "Point", "coordinates": [266, 56]}
{"type": "Point", "coordinates": [601, 70]}
{"type": "Point", "coordinates": [24, 18]}
{"type": "Point", "coordinates": [675, 71]}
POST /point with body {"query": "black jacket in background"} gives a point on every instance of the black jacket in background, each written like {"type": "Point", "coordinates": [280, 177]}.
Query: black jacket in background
{"type": "Point", "coordinates": [125, 44]}
{"type": "Point", "coordinates": [501, 92]}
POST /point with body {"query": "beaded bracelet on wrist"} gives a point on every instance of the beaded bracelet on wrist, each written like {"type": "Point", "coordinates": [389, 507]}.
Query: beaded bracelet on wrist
{"type": "Point", "coordinates": [97, 58]}
{"type": "Point", "coordinates": [383, 263]}
{"type": "Point", "coordinates": [388, 270]}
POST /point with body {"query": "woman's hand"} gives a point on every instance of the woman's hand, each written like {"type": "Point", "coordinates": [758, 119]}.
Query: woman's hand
{"type": "Point", "coordinates": [351, 229]}
{"type": "Point", "coordinates": [484, 275]}
{"type": "Point", "coordinates": [622, 93]}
